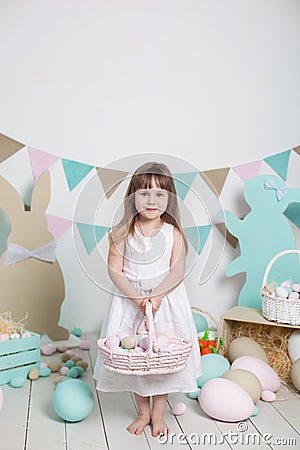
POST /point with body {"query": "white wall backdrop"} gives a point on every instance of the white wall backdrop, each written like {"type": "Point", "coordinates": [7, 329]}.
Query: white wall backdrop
{"type": "Point", "coordinates": [213, 83]}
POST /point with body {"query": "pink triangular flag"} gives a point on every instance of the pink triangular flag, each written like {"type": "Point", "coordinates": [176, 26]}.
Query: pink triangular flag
{"type": "Point", "coordinates": [40, 161]}
{"type": "Point", "coordinates": [248, 170]}
{"type": "Point", "coordinates": [57, 225]}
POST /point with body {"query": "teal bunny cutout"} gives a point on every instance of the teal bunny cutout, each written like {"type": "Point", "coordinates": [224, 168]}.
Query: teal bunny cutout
{"type": "Point", "coordinates": [264, 232]}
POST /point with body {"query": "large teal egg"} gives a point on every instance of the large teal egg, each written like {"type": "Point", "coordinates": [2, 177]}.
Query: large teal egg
{"type": "Point", "coordinates": [213, 366]}
{"type": "Point", "coordinates": [73, 400]}
{"type": "Point", "coordinates": [200, 322]}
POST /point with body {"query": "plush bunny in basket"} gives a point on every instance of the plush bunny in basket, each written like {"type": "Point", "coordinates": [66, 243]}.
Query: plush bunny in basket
{"type": "Point", "coordinates": [31, 281]}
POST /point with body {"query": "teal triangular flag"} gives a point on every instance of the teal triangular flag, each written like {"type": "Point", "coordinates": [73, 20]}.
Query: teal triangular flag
{"type": "Point", "coordinates": [75, 171]}
{"type": "Point", "coordinates": [91, 235]}
{"type": "Point", "coordinates": [183, 182]}
{"type": "Point", "coordinates": [197, 236]}
{"type": "Point", "coordinates": [279, 163]}
{"type": "Point", "coordinates": [292, 212]}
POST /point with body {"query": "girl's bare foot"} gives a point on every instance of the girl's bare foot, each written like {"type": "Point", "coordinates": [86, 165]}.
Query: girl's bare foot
{"type": "Point", "coordinates": [137, 427]}
{"type": "Point", "coordinates": [159, 428]}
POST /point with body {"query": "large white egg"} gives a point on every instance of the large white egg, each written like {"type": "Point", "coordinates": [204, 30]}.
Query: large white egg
{"type": "Point", "coordinates": [268, 378]}
{"type": "Point", "coordinates": [295, 374]}
{"type": "Point", "coordinates": [294, 345]}
{"type": "Point", "coordinates": [225, 400]}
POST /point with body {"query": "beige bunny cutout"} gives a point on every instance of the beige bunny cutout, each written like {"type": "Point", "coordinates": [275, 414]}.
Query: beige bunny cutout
{"type": "Point", "coordinates": [31, 279]}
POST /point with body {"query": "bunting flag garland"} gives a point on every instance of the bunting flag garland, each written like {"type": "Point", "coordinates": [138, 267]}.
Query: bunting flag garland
{"type": "Point", "coordinates": [248, 170]}
{"type": "Point", "coordinates": [57, 225]}
{"type": "Point", "coordinates": [197, 236]}
{"type": "Point", "coordinates": [292, 212]}
{"type": "Point", "coordinates": [232, 240]}
{"type": "Point", "coordinates": [217, 178]}
{"type": "Point", "coordinates": [110, 179]}
{"type": "Point", "coordinates": [40, 161]}
{"type": "Point", "coordinates": [91, 235]}
{"type": "Point", "coordinates": [183, 182]}
{"type": "Point", "coordinates": [8, 147]}
{"type": "Point", "coordinates": [279, 163]}
{"type": "Point", "coordinates": [75, 172]}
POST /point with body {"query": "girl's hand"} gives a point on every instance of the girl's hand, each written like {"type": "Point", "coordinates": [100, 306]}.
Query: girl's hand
{"type": "Point", "coordinates": [156, 302]}
{"type": "Point", "coordinates": [141, 304]}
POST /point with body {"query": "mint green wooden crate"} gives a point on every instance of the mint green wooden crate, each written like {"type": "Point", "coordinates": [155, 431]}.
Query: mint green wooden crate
{"type": "Point", "coordinates": [19, 356]}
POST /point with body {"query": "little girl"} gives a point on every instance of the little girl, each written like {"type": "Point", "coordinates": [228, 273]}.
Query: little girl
{"type": "Point", "coordinates": [146, 262]}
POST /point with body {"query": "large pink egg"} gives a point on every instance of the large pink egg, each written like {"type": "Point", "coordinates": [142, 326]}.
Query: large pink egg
{"type": "Point", "coordinates": [225, 400]}
{"type": "Point", "coordinates": [268, 378]}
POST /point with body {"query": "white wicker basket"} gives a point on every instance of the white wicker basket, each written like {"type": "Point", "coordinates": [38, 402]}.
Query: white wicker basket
{"type": "Point", "coordinates": [153, 361]}
{"type": "Point", "coordinates": [277, 309]}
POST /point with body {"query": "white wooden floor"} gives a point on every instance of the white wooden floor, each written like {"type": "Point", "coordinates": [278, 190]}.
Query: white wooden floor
{"type": "Point", "coordinates": [29, 422]}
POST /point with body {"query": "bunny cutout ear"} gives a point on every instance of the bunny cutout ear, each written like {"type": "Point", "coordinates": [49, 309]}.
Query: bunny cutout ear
{"type": "Point", "coordinates": [40, 197]}
{"type": "Point", "coordinates": [10, 200]}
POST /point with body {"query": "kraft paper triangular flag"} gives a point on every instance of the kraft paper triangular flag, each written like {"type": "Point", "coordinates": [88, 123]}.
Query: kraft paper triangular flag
{"type": "Point", "coordinates": [8, 147]}
{"type": "Point", "coordinates": [292, 212]}
{"type": "Point", "coordinates": [40, 161]}
{"type": "Point", "coordinates": [110, 179]}
{"type": "Point", "coordinates": [297, 149]}
{"type": "Point", "coordinates": [229, 237]}
{"type": "Point", "coordinates": [57, 225]}
{"type": "Point", "coordinates": [279, 163]}
{"type": "Point", "coordinates": [215, 178]}
{"type": "Point", "coordinates": [197, 236]}
{"type": "Point", "coordinates": [183, 182]}
{"type": "Point", "coordinates": [75, 171]}
{"type": "Point", "coordinates": [91, 235]}
{"type": "Point", "coordinates": [248, 170]}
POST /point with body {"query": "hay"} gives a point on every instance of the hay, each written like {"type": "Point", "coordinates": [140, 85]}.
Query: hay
{"type": "Point", "coordinates": [8, 326]}
{"type": "Point", "coordinates": [274, 341]}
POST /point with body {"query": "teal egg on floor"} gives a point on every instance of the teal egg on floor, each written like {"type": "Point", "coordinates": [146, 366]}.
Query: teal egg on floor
{"type": "Point", "coordinates": [73, 400]}
{"type": "Point", "coordinates": [200, 322]}
{"type": "Point", "coordinates": [193, 395]}
{"type": "Point", "coordinates": [17, 382]}
{"type": "Point", "coordinates": [213, 366]}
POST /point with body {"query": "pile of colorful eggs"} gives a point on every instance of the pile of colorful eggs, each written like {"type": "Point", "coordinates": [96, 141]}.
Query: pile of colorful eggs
{"type": "Point", "coordinates": [120, 344]}
{"type": "Point", "coordinates": [286, 289]}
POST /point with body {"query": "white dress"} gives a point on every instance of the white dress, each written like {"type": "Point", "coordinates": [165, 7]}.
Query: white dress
{"type": "Point", "coordinates": [146, 264]}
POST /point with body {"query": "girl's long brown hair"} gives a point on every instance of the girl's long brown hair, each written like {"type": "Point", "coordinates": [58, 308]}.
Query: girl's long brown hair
{"type": "Point", "coordinates": [142, 178]}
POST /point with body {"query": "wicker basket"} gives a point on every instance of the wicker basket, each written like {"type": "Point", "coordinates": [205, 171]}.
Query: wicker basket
{"type": "Point", "coordinates": [153, 361]}
{"type": "Point", "coordinates": [277, 309]}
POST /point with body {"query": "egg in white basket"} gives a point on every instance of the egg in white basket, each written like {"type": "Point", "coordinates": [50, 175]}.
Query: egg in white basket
{"type": "Point", "coordinates": [294, 345]}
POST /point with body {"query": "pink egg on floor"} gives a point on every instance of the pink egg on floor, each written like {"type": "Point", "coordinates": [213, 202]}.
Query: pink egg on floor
{"type": "Point", "coordinates": [62, 348]}
{"type": "Point", "coordinates": [70, 352]}
{"type": "Point", "coordinates": [43, 365]}
{"type": "Point", "coordinates": [85, 345]}
{"type": "Point", "coordinates": [178, 409]}
{"type": "Point", "coordinates": [63, 370]}
{"type": "Point", "coordinates": [48, 349]}
{"type": "Point", "coordinates": [268, 396]}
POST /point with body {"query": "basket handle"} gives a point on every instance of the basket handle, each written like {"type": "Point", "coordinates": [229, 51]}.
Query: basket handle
{"type": "Point", "coordinates": [208, 314]}
{"type": "Point", "coordinates": [151, 329]}
{"type": "Point", "coordinates": [272, 261]}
